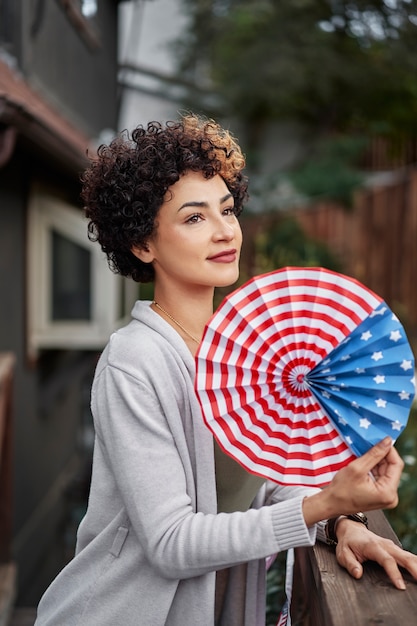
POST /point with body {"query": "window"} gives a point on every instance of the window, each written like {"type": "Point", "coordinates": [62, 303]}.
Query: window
{"type": "Point", "coordinates": [74, 300]}
{"type": "Point", "coordinates": [70, 280]}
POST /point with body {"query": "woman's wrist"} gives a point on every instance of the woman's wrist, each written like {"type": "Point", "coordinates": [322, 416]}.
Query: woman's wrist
{"type": "Point", "coordinates": [332, 525]}
{"type": "Point", "coordinates": [325, 506]}
{"type": "Point", "coordinates": [318, 507]}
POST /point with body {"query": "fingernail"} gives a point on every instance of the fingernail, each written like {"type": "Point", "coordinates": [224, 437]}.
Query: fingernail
{"type": "Point", "coordinates": [356, 572]}
{"type": "Point", "coordinates": [400, 584]}
{"type": "Point", "coordinates": [387, 441]}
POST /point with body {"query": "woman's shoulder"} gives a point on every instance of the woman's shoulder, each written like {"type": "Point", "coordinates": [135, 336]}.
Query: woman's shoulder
{"type": "Point", "coordinates": [146, 344]}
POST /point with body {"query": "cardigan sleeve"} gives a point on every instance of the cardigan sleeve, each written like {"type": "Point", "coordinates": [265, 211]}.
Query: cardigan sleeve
{"type": "Point", "coordinates": [144, 458]}
{"type": "Point", "coordinates": [277, 493]}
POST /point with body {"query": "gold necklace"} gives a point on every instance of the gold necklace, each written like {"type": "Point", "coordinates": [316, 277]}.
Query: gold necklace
{"type": "Point", "coordinates": [175, 322]}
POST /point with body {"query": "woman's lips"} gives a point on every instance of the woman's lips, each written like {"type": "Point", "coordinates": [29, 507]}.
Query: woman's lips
{"type": "Point", "coordinates": [228, 256]}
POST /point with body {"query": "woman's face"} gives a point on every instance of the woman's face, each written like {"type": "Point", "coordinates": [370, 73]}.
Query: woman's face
{"type": "Point", "coordinates": [198, 237]}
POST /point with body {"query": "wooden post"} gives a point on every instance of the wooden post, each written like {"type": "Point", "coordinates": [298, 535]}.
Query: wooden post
{"type": "Point", "coordinates": [7, 566]}
{"type": "Point", "coordinates": [6, 378]}
{"type": "Point", "coordinates": [324, 594]}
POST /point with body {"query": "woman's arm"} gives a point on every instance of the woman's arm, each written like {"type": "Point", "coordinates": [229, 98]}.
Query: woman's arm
{"type": "Point", "coordinates": [149, 469]}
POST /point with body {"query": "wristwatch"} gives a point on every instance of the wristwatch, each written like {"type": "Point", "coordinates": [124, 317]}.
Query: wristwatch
{"type": "Point", "coordinates": [330, 528]}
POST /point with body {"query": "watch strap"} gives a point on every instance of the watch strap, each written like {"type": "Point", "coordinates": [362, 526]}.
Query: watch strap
{"type": "Point", "coordinates": [330, 528]}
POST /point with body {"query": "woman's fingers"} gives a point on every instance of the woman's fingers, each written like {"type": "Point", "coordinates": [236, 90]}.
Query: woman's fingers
{"type": "Point", "coordinates": [371, 481]}
{"type": "Point", "coordinates": [357, 545]}
{"type": "Point", "coordinates": [348, 560]}
{"type": "Point", "coordinates": [367, 483]}
{"type": "Point", "coordinates": [382, 459]}
{"type": "Point", "coordinates": [353, 565]}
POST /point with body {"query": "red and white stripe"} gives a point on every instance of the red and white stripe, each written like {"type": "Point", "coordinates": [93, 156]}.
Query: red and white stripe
{"type": "Point", "coordinates": [250, 366]}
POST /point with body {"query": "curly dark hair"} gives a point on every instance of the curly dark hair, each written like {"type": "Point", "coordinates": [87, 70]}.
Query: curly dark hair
{"type": "Point", "coordinates": [126, 183]}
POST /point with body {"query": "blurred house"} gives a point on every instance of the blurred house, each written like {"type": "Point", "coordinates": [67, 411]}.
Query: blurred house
{"type": "Point", "coordinates": [149, 83]}
{"type": "Point", "coordinates": [153, 88]}
{"type": "Point", "coordinates": [59, 301]}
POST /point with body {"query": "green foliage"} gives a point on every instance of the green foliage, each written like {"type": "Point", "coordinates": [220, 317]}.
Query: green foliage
{"type": "Point", "coordinates": [403, 518]}
{"type": "Point", "coordinates": [286, 244]}
{"type": "Point", "coordinates": [332, 65]}
{"type": "Point", "coordinates": [332, 172]}
{"type": "Point", "coordinates": [275, 595]}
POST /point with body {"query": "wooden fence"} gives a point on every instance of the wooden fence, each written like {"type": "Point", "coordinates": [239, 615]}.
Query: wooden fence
{"type": "Point", "coordinates": [375, 240]}
{"type": "Point", "coordinates": [385, 154]}
{"type": "Point", "coordinates": [7, 566]}
{"type": "Point", "coordinates": [326, 595]}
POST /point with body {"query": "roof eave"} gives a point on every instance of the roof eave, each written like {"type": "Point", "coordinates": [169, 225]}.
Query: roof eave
{"type": "Point", "coordinates": [70, 152]}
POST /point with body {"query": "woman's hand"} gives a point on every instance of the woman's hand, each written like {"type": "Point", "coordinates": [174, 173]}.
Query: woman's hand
{"type": "Point", "coordinates": [356, 544]}
{"type": "Point", "coordinates": [371, 481]}
{"type": "Point", "coordinates": [367, 483]}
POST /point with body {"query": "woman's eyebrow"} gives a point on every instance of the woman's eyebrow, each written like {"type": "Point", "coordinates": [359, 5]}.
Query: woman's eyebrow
{"type": "Point", "coordinates": [203, 204]}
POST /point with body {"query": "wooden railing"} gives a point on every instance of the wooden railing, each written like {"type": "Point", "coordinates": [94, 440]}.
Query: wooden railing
{"type": "Point", "coordinates": [7, 566]}
{"type": "Point", "coordinates": [326, 595]}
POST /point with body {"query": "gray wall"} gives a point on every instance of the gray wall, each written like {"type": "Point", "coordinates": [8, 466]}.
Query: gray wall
{"type": "Point", "coordinates": [78, 81]}
{"type": "Point", "coordinates": [50, 404]}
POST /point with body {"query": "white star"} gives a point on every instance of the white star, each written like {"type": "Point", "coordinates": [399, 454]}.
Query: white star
{"type": "Point", "coordinates": [342, 421]}
{"type": "Point", "coordinates": [403, 395]}
{"type": "Point", "coordinates": [326, 361]}
{"type": "Point", "coordinates": [331, 378]}
{"type": "Point", "coordinates": [349, 441]}
{"type": "Point", "coordinates": [366, 335]}
{"type": "Point", "coordinates": [413, 381]}
{"type": "Point", "coordinates": [396, 425]}
{"type": "Point", "coordinates": [395, 335]}
{"type": "Point", "coordinates": [378, 312]}
{"type": "Point", "coordinates": [355, 405]}
{"type": "Point", "coordinates": [381, 403]}
{"type": "Point", "coordinates": [377, 356]}
{"type": "Point", "coordinates": [406, 365]}
{"type": "Point", "coordinates": [326, 394]}
{"type": "Point", "coordinates": [346, 357]}
{"type": "Point", "coordinates": [379, 379]}
{"type": "Point", "coordinates": [360, 370]}
{"type": "Point", "coordinates": [364, 423]}
{"type": "Point", "coordinates": [394, 318]}
{"type": "Point", "coordinates": [326, 371]}
{"type": "Point", "coordinates": [334, 388]}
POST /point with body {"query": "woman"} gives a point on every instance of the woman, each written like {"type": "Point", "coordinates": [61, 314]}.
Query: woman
{"type": "Point", "coordinates": [176, 533]}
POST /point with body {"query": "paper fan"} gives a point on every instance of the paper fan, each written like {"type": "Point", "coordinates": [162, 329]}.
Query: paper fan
{"type": "Point", "coordinates": [301, 370]}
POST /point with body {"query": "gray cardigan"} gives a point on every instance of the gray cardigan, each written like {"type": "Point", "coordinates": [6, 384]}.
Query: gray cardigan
{"type": "Point", "coordinates": [151, 541]}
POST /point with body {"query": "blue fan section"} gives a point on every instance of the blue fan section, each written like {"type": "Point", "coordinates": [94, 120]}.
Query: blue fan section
{"type": "Point", "coordinates": [366, 385]}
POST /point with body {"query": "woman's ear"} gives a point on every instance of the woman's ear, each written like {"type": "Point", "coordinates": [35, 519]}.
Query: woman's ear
{"type": "Point", "coordinates": [143, 253]}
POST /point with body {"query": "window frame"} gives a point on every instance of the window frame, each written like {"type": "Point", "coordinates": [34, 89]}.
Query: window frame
{"type": "Point", "coordinates": [45, 214]}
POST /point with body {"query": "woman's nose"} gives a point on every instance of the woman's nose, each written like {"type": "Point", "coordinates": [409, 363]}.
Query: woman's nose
{"type": "Point", "coordinates": [224, 231]}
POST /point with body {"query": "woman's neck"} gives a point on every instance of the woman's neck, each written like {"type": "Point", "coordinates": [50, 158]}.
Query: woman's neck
{"type": "Point", "coordinates": [186, 313]}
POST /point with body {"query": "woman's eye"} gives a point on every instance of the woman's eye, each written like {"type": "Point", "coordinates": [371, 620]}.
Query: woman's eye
{"type": "Point", "coordinates": [193, 219]}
